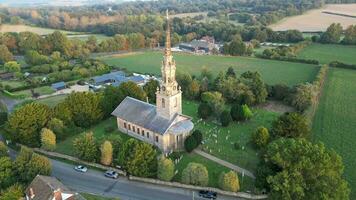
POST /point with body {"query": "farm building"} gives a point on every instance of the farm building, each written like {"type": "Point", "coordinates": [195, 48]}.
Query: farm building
{"type": "Point", "coordinates": [59, 86]}
{"type": "Point", "coordinates": [204, 45]}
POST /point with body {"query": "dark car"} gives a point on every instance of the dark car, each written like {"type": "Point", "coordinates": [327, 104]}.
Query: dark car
{"type": "Point", "coordinates": [111, 174]}
{"type": "Point", "coordinates": [207, 194]}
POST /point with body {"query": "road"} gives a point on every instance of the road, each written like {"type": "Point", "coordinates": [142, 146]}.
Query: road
{"type": "Point", "coordinates": [94, 182]}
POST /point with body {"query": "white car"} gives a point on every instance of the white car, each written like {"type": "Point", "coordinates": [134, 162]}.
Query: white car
{"type": "Point", "coordinates": [80, 168]}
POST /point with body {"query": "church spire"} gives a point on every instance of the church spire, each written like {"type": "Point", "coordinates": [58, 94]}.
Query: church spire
{"type": "Point", "coordinates": [168, 36]}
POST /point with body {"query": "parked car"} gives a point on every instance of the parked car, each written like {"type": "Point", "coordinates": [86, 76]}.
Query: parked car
{"type": "Point", "coordinates": [207, 194]}
{"type": "Point", "coordinates": [111, 174]}
{"type": "Point", "coordinates": [81, 168]}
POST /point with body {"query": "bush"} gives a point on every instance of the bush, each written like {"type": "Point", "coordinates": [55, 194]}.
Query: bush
{"type": "Point", "coordinates": [198, 135]}
{"type": "Point", "coordinates": [225, 118]}
{"type": "Point", "coordinates": [85, 147]}
{"type": "Point", "coordinates": [229, 181]}
{"type": "Point", "coordinates": [57, 126]}
{"type": "Point", "coordinates": [338, 64]}
{"type": "Point", "coordinates": [48, 140]}
{"type": "Point", "coordinates": [165, 169]}
{"type": "Point", "coordinates": [280, 92]}
{"type": "Point", "coordinates": [260, 137]}
{"type": "Point", "coordinates": [204, 111]}
{"type": "Point", "coordinates": [247, 113]}
{"type": "Point", "coordinates": [190, 144]}
{"type": "Point", "coordinates": [236, 112]}
{"type": "Point", "coordinates": [291, 125]}
{"type": "Point", "coordinates": [195, 174]}
{"type": "Point", "coordinates": [106, 153]}
{"type": "Point", "coordinates": [3, 149]}
{"type": "Point", "coordinates": [13, 192]}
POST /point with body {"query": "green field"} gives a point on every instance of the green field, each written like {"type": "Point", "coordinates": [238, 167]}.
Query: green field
{"type": "Point", "coordinates": [272, 71]}
{"type": "Point", "coordinates": [4, 28]}
{"type": "Point", "coordinates": [335, 120]}
{"type": "Point", "coordinates": [45, 90]}
{"type": "Point", "coordinates": [326, 53]}
{"type": "Point", "coordinates": [52, 101]}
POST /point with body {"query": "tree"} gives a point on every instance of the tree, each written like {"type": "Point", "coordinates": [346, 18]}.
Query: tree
{"type": "Point", "coordinates": [25, 124]}
{"type": "Point", "coordinates": [260, 137]}
{"type": "Point", "coordinates": [48, 140]}
{"type": "Point", "coordinates": [235, 48]}
{"type": "Point", "coordinates": [57, 41]}
{"type": "Point", "coordinates": [12, 66]}
{"type": "Point", "coordinates": [280, 91]}
{"type": "Point", "coordinates": [236, 112]}
{"type": "Point", "coordinates": [350, 35]}
{"type": "Point", "coordinates": [6, 172]}
{"type": "Point", "coordinates": [85, 147]}
{"type": "Point", "coordinates": [138, 158]}
{"type": "Point", "coordinates": [131, 89]}
{"type": "Point", "coordinates": [254, 81]}
{"type": "Point", "coordinates": [151, 88]}
{"type": "Point", "coordinates": [198, 135]}
{"type": "Point", "coordinates": [230, 72]}
{"type": "Point", "coordinates": [62, 112]}
{"type": "Point", "coordinates": [85, 108]}
{"type": "Point", "coordinates": [57, 126]}
{"type": "Point", "coordinates": [215, 100]}
{"type": "Point", "coordinates": [165, 169]}
{"type": "Point", "coordinates": [190, 143]}
{"type": "Point", "coordinates": [291, 125]}
{"type": "Point", "coordinates": [195, 174]}
{"type": "Point", "coordinates": [38, 165]}
{"type": "Point", "coordinates": [306, 171]}
{"type": "Point", "coordinates": [332, 34]}
{"type": "Point", "coordinates": [225, 118]}
{"type": "Point", "coordinates": [3, 150]}
{"type": "Point", "coordinates": [229, 181]}
{"type": "Point", "coordinates": [14, 192]}
{"type": "Point", "coordinates": [303, 96]}
{"type": "Point", "coordinates": [5, 54]}
{"type": "Point", "coordinates": [112, 97]}
{"type": "Point", "coordinates": [204, 111]}
{"type": "Point", "coordinates": [116, 142]}
{"type": "Point", "coordinates": [193, 90]}
{"type": "Point", "coordinates": [106, 153]}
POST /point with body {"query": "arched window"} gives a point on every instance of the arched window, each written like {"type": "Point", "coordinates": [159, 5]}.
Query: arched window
{"type": "Point", "coordinates": [163, 103]}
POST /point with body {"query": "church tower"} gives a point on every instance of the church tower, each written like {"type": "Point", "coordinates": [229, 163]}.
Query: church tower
{"type": "Point", "coordinates": [169, 94]}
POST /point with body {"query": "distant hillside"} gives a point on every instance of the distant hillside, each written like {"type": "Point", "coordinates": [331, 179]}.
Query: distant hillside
{"type": "Point", "coordinates": [34, 3]}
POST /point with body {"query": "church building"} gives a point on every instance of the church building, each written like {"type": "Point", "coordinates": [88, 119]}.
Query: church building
{"type": "Point", "coordinates": [162, 125]}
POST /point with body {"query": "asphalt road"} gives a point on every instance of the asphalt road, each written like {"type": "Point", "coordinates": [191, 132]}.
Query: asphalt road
{"type": "Point", "coordinates": [94, 182]}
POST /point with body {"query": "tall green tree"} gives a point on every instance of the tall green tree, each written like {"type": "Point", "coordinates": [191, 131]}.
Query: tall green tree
{"type": "Point", "coordinates": [332, 34]}
{"type": "Point", "coordinates": [256, 84]}
{"type": "Point", "coordinates": [229, 181]}
{"type": "Point", "coordinates": [3, 149]}
{"type": "Point", "coordinates": [48, 139]}
{"type": "Point", "coordinates": [261, 137]}
{"type": "Point", "coordinates": [350, 35]}
{"type": "Point", "coordinates": [6, 172]}
{"type": "Point", "coordinates": [165, 169]}
{"type": "Point", "coordinates": [86, 148]}
{"type": "Point", "coordinates": [291, 125]}
{"type": "Point", "coordinates": [106, 150]}
{"type": "Point", "coordinates": [85, 108]}
{"type": "Point", "coordinates": [151, 88]}
{"type": "Point", "coordinates": [306, 171]}
{"type": "Point", "coordinates": [131, 89]}
{"type": "Point", "coordinates": [14, 192]}
{"type": "Point", "coordinates": [195, 174]}
{"type": "Point", "coordinates": [26, 123]}
{"type": "Point", "coordinates": [5, 54]}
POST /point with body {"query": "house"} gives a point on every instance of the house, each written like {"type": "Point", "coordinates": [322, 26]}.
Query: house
{"type": "Point", "coordinates": [59, 86]}
{"type": "Point", "coordinates": [49, 188]}
{"type": "Point", "coordinates": [117, 76]}
{"type": "Point", "coordinates": [196, 46]}
{"type": "Point", "coordinates": [163, 124]}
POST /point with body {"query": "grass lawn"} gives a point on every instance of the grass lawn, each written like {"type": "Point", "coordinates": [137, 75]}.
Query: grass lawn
{"type": "Point", "coordinates": [38, 30]}
{"type": "Point", "coordinates": [326, 53]}
{"type": "Point", "coordinates": [95, 197]}
{"type": "Point", "coordinates": [214, 169]}
{"type": "Point", "coordinates": [41, 90]}
{"type": "Point", "coordinates": [52, 101]}
{"type": "Point", "coordinates": [219, 141]}
{"type": "Point", "coordinates": [335, 120]}
{"type": "Point", "coordinates": [13, 83]}
{"type": "Point", "coordinates": [272, 71]}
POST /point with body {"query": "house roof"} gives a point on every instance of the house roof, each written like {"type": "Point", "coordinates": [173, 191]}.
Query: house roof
{"type": "Point", "coordinates": [136, 79]}
{"type": "Point", "coordinates": [43, 187]}
{"type": "Point", "coordinates": [143, 114]}
{"type": "Point", "coordinates": [115, 76]}
{"type": "Point", "coordinates": [58, 85]}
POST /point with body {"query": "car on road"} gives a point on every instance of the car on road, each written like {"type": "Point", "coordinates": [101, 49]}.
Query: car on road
{"type": "Point", "coordinates": [80, 168]}
{"type": "Point", "coordinates": [207, 194]}
{"type": "Point", "coordinates": [111, 174]}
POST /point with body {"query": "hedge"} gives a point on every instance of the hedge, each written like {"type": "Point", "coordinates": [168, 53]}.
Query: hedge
{"type": "Point", "coordinates": [338, 64]}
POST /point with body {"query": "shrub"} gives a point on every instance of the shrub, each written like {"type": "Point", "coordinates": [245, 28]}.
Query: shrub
{"type": "Point", "coordinates": [57, 126]}
{"type": "Point", "coordinates": [280, 91]}
{"type": "Point", "coordinates": [229, 181]}
{"type": "Point", "coordinates": [291, 125]}
{"type": "Point", "coordinates": [106, 153]}
{"type": "Point", "coordinates": [225, 118]}
{"type": "Point", "coordinates": [247, 113]}
{"type": "Point", "coordinates": [190, 143]}
{"type": "Point", "coordinates": [13, 192]}
{"type": "Point", "coordinates": [86, 148]}
{"type": "Point", "coordinates": [198, 135]}
{"type": "Point", "coordinates": [204, 111]}
{"type": "Point", "coordinates": [6, 172]}
{"type": "Point", "coordinates": [195, 174]}
{"type": "Point", "coordinates": [260, 137]}
{"type": "Point", "coordinates": [48, 140]}
{"type": "Point", "coordinates": [165, 169]}
{"type": "Point", "coordinates": [236, 112]}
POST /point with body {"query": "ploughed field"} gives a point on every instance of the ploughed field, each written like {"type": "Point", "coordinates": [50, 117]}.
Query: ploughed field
{"type": "Point", "coordinates": [335, 120]}
{"type": "Point", "coordinates": [273, 71]}
{"type": "Point", "coordinates": [319, 19]}
{"type": "Point", "coordinates": [326, 53]}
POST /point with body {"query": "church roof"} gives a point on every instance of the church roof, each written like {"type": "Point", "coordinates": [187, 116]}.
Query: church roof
{"type": "Point", "coordinates": [143, 114]}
